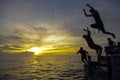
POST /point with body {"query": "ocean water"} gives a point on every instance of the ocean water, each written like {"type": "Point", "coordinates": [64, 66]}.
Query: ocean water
{"type": "Point", "coordinates": [54, 67]}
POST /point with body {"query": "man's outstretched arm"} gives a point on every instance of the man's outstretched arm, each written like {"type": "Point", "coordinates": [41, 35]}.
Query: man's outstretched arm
{"type": "Point", "coordinates": [86, 13]}
{"type": "Point", "coordinates": [88, 31]}
{"type": "Point", "coordinates": [78, 52]}
{"type": "Point", "coordinates": [90, 6]}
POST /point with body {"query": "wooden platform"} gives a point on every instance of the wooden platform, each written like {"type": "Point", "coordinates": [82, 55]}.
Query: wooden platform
{"type": "Point", "coordinates": [108, 68]}
{"type": "Point", "coordinates": [115, 62]}
{"type": "Point", "coordinates": [98, 71]}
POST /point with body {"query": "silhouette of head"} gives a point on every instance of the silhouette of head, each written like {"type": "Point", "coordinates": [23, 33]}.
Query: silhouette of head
{"type": "Point", "coordinates": [92, 10]}
{"type": "Point", "coordinates": [109, 39]}
{"type": "Point", "coordinates": [81, 48]}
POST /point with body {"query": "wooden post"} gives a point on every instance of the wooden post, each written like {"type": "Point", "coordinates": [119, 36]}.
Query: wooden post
{"type": "Point", "coordinates": [115, 62]}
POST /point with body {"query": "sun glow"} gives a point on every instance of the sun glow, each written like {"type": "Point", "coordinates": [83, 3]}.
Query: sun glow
{"type": "Point", "coordinates": [36, 50]}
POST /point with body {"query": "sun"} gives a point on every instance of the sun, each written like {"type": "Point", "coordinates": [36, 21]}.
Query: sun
{"type": "Point", "coordinates": [36, 50]}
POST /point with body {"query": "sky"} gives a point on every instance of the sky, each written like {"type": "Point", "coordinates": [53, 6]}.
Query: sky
{"type": "Point", "coordinates": [54, 26]}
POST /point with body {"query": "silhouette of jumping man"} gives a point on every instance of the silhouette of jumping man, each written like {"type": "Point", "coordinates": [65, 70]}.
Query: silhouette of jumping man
{"type": "Point", "coordinates": [84, 55]}
{"type": "Point", "coordinates": [91, 43]}
{"type": "Point", "coordinates": [99, 24]}
{"type": "Point", "coordinates": [110, 42]}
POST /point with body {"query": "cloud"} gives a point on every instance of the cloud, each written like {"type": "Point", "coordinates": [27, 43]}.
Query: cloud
{"type": "Point", "coordinates": [36, 28]}
{"type": "Point", "coordinates": [10, 47]}
{"type": "Point", "coordinates": [4, 39]}
{"type": "Point", "coordinates": [25, 24]}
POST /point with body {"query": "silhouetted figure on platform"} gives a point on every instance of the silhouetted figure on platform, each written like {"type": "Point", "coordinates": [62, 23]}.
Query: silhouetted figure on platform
{"type": "Point", "coordinates": [99, 24]}
{"type": "Point", "coordinates": [111, 43]}
{"type": "Point", "coordinates": [91, 43]}
{"type": "Point", "coordinates": [84, 55]}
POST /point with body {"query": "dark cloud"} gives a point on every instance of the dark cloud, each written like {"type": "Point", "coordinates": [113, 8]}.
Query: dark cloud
{"type": "Point", "coordinates": [12, 38]}
{"type": "Point", "coordinates": [73, 27]}
{"type": "Point", "coordinates": [36, 28]}
{"type": "Point", "coordinates": [10, 47]}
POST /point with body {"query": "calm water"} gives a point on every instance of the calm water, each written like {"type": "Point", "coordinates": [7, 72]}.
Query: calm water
{"type": "Point", "coordinates": [26, 67]}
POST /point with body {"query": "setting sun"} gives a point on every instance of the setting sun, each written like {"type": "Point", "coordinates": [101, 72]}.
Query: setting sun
{"type": "Point", "coordinates": [36, 50]}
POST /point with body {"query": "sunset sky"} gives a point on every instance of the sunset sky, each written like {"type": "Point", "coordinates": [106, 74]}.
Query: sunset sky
{"type": "Point", "coordinates": [54, 26]}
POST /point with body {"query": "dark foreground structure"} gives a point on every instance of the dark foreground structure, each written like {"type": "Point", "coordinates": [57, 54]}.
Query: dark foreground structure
{"type": "Point", "coordinates": [108, 68]}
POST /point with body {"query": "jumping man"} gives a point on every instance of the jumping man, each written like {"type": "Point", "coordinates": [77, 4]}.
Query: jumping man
{"type": "Point", "coordinates": [84, 55]}
{"type": "Point", "coordinates": [99, 24]}
{"type": "Point", "coordinates": [91, 43]}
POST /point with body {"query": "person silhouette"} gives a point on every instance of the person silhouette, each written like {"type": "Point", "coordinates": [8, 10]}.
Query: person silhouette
{"type": "Point", "coordinates": [111, 43]}
{"type": "Point", "coordinates": [84, 55]}
{"type": "Point", "coordinates": [91, 43]}
{"type": "Point", "coordinates": [99, 24]}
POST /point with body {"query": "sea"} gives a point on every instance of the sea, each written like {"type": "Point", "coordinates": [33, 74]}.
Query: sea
{"type": "Point", "coordinates": [50, 67]}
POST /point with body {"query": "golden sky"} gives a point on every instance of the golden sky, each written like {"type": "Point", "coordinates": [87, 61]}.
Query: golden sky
{"type": "Point", "coordinates": [55, 27]}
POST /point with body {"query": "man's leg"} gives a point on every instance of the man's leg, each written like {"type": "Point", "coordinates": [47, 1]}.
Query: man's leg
{"type": "Point", "coordinates": [95, 26]}
{"type": "Point", "coordinates": [106, 32]}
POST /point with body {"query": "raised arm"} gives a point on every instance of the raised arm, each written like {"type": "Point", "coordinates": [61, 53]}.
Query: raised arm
{"type": "Point", "coordinates": [90, 6]}
{"type": "Point", "coordinates": [86, 13]}
{"type": "Point", "coordinates": [88, 31]}
{"type": "Point", "coordinates": [78, 52]}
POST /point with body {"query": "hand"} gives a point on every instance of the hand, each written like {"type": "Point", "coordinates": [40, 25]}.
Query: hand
{"type": "Point", "coordinates": [84, 10]}
{"type": "Point", "coordinates": [87, 5]}
{"type": "Point", "coordinates": [84, 29]}
{"type": "Point", "coordinates": [87, 28]}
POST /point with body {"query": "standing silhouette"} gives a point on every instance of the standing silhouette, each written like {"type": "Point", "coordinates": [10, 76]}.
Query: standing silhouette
{"type": "Point", "coordinates": [99, 24]}
{"type": "Point", "coordinates": [84, 55]}
{"type": "Point", "coordinates": [91, 43]}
